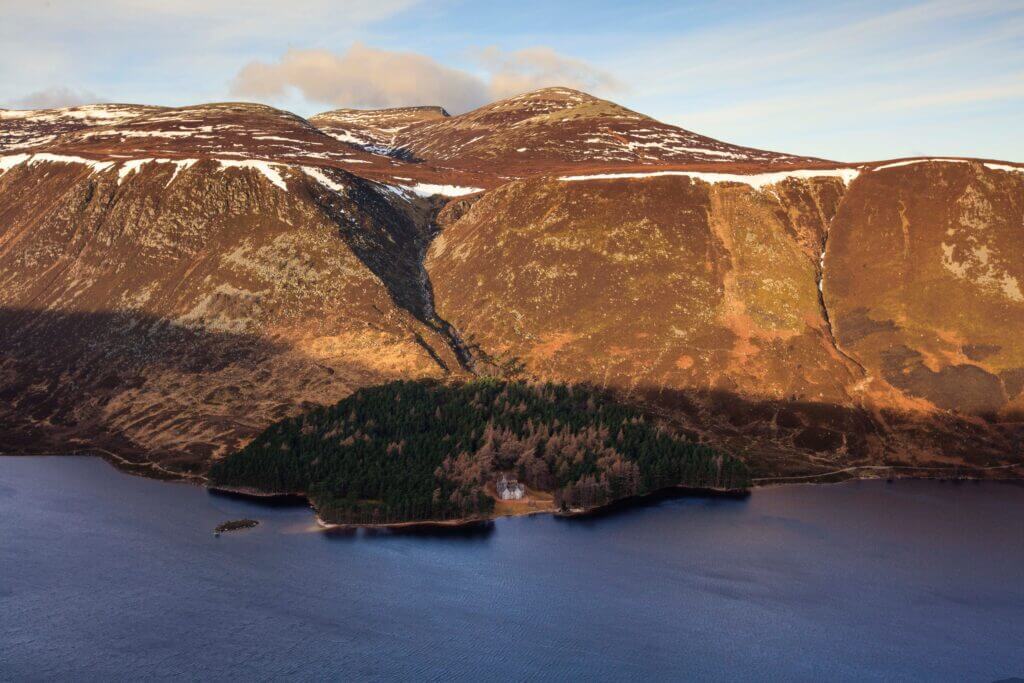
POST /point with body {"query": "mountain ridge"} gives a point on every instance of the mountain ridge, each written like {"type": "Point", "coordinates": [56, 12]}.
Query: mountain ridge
{"type": "Point", "coordinates": [269, 265]}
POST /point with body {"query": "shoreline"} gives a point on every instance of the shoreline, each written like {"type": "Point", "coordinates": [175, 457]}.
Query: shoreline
{"type": "Point", "coordinates": [658, 495]}
{"type": "Point", "coordinates": [416, 525]}
{"type": "Point", "coordinates": [154, 470]}
{"type": "Point", "coordinates": [247, 492]}
{"type": "Point", "coordinates": [144, 468]}
{"type": "Point", "coordinates": [892, 472]}
{"type": "Point", "coordinates": [955, 473]}
{"type": "Point", "coordinates": [620, 504]}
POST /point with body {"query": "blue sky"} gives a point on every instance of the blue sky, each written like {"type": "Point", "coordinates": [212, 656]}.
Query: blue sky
{"type": "Point", "coordinates": [850, 81]}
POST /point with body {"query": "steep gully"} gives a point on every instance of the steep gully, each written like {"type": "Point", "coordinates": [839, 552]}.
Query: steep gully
{"type": "Point", "coordinates": [392, 243]}
{"type": "Point", "coordinates": [825, 316]}
{"type": "Point", "coordinates": [431, 318]}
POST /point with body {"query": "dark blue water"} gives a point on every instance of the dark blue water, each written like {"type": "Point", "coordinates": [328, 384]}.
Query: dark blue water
{"type": "Point", "coordinates": [108, 576]}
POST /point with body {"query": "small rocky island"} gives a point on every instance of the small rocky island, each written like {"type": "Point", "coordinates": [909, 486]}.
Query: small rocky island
{"type": "Point", "coordinates": [234, 525]}
{"type": "Point", "coordinates": [429, 451]}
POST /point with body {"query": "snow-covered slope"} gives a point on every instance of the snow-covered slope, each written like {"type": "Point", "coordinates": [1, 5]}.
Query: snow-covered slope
{"type": "Point", "coordinates": [558, 126]}
{"type": "Point", "coordinates": [374, 130]}
{"type": "Point", "coordinates": [27, 128]}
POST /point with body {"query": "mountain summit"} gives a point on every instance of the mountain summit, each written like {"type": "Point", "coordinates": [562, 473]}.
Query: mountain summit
{"type": "Point", "coordinates": [550, 128]}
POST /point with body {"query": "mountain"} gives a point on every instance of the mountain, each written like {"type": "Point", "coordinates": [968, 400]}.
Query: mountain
{"type": "Point", "coordinates": [173, 281]}
{"type": "Point", "coordinates": [549, 129]}
{"type": "Point", "coordinates": [33, 127]}
{"type": "Point", "coordinates": [375, 130]}
{"type": "Point", "coordinates": [850, 320]}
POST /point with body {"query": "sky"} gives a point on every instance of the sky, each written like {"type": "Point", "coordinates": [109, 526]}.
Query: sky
{"type": "Point", "coordinates": [852, 81]}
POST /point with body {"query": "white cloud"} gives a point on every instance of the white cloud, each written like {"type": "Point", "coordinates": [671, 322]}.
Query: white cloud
{"type": "Point", "coordinates": [56, 97]}
{"type": "Point", "coordinates": [531, 68]}
{"type": "Point", "coordinates": [184, 50]}
{"type": "Point", "coordinates": [362, 77]}
{"type": "Point", "coordinates": [368, 77]}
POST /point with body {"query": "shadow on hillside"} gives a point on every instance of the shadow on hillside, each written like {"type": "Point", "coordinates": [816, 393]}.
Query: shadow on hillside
{"type": "Point", "coordinates": [652, 500]}
{"type": "Point", "coordinates": [60, 373]}
{"type": "Point", "coordinates": [392, 244]}
{"type": "Point", "coordinates": [793, 437]}
{"type": "Point", "coordinates": [277, 500]}
{"type": "Point", "coordinates": [71, 339]}
{"type": "Point", "coordinates": [64, 376]}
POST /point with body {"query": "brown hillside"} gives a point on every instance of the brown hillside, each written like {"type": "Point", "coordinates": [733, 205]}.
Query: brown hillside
{"type": "Point", "coordinates": [174, 280]}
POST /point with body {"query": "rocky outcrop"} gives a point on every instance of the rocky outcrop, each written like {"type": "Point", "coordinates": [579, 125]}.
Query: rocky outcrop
{"type": "Point", "coordinates": [926, 285]}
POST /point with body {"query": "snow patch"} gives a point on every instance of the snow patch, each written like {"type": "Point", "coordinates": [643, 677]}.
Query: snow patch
{"type": "Point", "coordinates": [16, 113]}
{"type": "Point", "coordinates": [821, 271]}
{"type": "Point", "coordinates": [345, 136]}
{"type": "Point", "coordinates": [264, 167]}
{"type": "Point", "coordinates": [919, 161]}
{"type": "Point", "coordinates": [710, 152]}
{"type": "Point", "coordinates": [1005, 167]}
{"type": "Point", "coordinates": [12, 160]}
{"type": "Point", "coordinates": [322, 178]}
{"type": "Point", "coordinates": [126, 168]}
{"type": "Point", "coordinates": [756, 181]}
{"type": "Point", "coordinates": [431, 190]}
{"type": "Point", "coordinates": [179, 166]}
{"type": "Point", "coordinates": [87, 112]}
{"type": "Point", "coordinates": [96, 166]}
{"type": "Point", "coordinates": [141, 134]}
{"type": "Point", "coordinates": [130, 167]}
{"type": "Point", "coordinates": [90, 111]}
{"type": "Point", "coordinates": [280, 139]}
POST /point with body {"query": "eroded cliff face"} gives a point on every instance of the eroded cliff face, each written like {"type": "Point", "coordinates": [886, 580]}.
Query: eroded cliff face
{"type": "Point", "coordinates": [173, 313]}
{"type": "Point", "coordinates": [757, 315]}
{"type": "Point", "coordinates": [925, 276]}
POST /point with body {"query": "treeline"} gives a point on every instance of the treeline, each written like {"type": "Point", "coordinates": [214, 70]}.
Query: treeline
{"type": "Point", "coordinates": [425, 450]}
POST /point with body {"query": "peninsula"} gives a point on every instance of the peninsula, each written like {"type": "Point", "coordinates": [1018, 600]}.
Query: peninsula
{"type": "Point", "coordinates": [429, 451]}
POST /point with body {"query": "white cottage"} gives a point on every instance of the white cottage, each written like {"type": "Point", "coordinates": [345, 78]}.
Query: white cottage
{"type": "Point", "coordinates": [510, 489]}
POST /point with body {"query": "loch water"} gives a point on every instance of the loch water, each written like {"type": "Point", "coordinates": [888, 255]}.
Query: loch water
{"type": "Point", "coordinates": [106, 576]}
